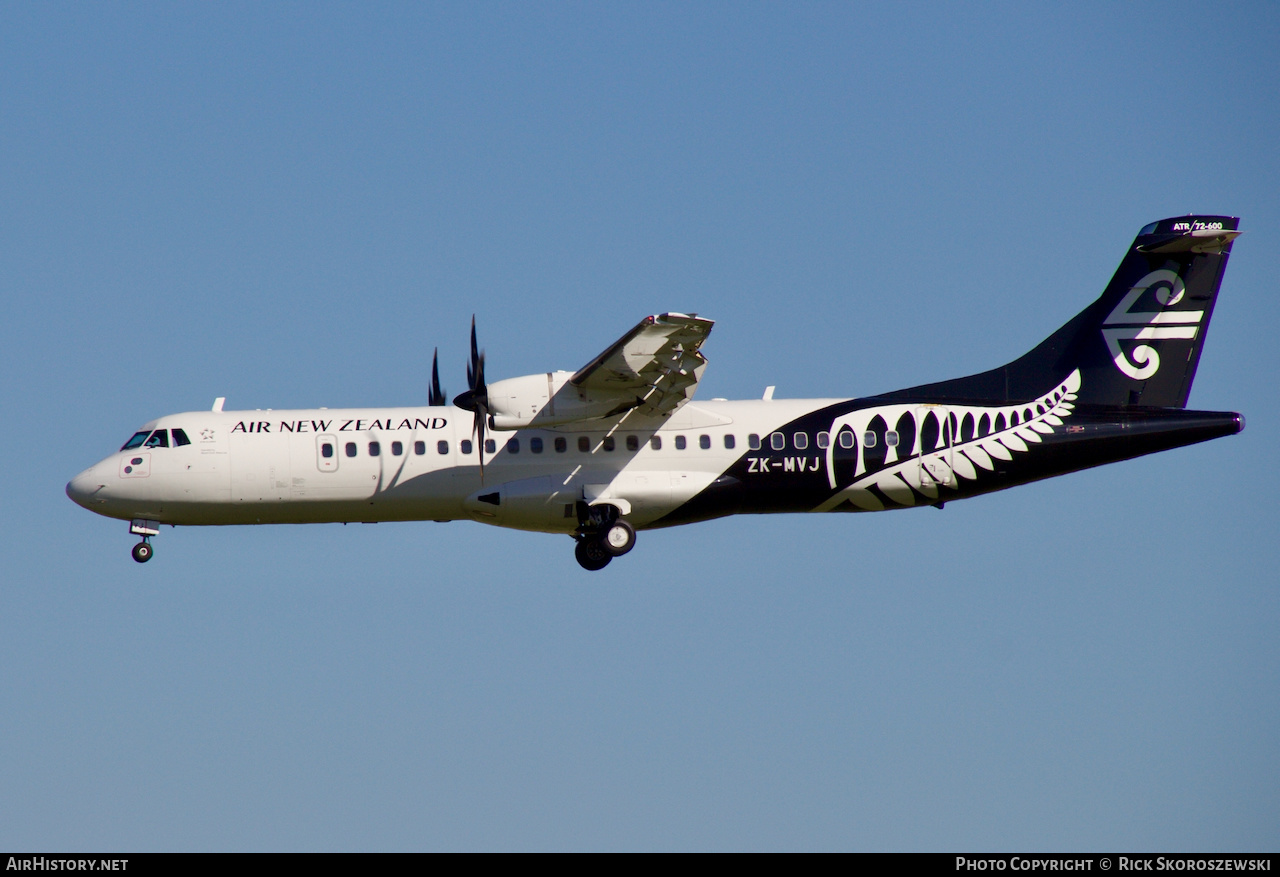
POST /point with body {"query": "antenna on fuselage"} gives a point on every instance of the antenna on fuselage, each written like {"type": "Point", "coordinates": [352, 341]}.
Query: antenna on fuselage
{"type": "Point", "coordinates": [218, 403]}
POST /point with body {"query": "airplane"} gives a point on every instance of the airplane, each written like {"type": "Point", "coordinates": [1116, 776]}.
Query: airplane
{"type": "Point", "coordinates": [619, 446]}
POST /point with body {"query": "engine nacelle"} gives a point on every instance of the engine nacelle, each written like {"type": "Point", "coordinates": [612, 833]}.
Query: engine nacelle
{"type": "Point", "coordinates": [515, 402]}
{"type": "Point", "coordinates": [547, 400]}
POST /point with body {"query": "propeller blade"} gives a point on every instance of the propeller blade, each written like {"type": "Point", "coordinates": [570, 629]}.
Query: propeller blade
{"type": "Point", "coordinates": [436, 395]}
{"type": "Point", "coordinates": [476, 398]}
{"type": "Point", "coordinates": [475, 357]}
{"type": "Point", "coordinates": [482, 407]}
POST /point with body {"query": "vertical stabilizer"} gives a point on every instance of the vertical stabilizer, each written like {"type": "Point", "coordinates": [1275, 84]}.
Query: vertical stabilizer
{"type": "Point", "coordinates": [1139, 344]}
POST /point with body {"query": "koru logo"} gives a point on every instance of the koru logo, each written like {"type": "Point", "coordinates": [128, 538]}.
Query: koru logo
{"type": "Point", "coordinates": [1148, 326]}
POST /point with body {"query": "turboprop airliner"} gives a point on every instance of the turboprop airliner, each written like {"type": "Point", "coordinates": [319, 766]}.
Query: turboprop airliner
{"type": "Point", "coordinates": [619, 446]}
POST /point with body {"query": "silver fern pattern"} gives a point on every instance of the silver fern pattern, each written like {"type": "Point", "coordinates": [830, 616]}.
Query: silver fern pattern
{"type": "Point", "coordinates": [967, 440]}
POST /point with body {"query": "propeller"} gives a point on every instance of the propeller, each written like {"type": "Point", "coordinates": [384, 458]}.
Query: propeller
{"type": "Point", "coordinates": [436, 395]}
{"type": "Point", "coordinates": [476, 399]}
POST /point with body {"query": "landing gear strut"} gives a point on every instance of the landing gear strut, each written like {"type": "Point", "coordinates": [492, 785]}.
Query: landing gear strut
{"type": "Point", "coordinates": [602, 535]}
{"type": "Point", "coordinates": [142, 551]}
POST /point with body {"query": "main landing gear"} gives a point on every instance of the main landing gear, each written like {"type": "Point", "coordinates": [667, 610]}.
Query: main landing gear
{"type": "Point", "coordinates": [602, 535]}
{"type": "Point", "coordinates": [142, 551]}
{"type": "Point", "coordinates": [590, 554]}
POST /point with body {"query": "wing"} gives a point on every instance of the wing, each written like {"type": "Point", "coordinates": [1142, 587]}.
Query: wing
{"type": "Point", "coordinates": [654, 368]}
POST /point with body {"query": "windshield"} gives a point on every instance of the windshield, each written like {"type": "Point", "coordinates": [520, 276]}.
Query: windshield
{"type": "Point", "coordinates": [136, 441]}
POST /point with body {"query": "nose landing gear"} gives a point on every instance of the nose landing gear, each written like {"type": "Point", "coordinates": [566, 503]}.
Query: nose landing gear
{"type": "Point", "coordinates": [602, 535]}
{"type": "Point", "coordinates": [146, 529]}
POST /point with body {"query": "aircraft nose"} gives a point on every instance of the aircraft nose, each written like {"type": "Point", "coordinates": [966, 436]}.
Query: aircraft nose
{"type": "Point", "coordinates": [82, 488]}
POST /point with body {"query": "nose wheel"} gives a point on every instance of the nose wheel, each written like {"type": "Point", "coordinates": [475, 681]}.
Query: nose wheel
{"type": "Point", "coordinates": [146, 529]}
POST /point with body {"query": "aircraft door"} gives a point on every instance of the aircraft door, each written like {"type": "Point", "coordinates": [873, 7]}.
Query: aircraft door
{"type": "Point", "coordinates": [936, 440]}
{"type": "Point", "coordinates": [327, 453]}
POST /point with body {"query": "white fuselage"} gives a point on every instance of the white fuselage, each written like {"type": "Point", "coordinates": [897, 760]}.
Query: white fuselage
{"type": "Point", "coordinates": [401, 464]}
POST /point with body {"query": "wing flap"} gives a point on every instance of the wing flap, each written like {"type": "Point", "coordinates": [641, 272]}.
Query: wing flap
{"type": "Point", "coordinates": [655, 367]}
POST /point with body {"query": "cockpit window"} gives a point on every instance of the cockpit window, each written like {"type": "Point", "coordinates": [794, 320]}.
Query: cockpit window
{"type": "Point", "coordinates": [159, 439]}
{"type": "Point", "coordinates": [136, 441]}
{"type": "Point", "coordinates": [179, 438]}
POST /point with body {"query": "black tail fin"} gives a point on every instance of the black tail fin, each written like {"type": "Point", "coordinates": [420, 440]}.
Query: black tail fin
{"type": "Point", "coordinates": [1140, 342]}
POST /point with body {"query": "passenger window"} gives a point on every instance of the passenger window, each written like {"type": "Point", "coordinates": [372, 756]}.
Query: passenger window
{"type": "Point", "coordinates": [561, 444]}
{"type": "Point", "coordinates": [374, 449]}
{"type": "Point", "coordinates": [464, 446]}
{"type": "Point", "coordinates": [824, 440]}
{"type": "Point", "coordinates": [159, 439]}
{"type": "Point", "coordinates": [513, 446]}
{"type": "Point", "coordinates": [326, 451]}
{"type": "Point", "coordinates": [846, 439]}
{"type": "Point", "coordinates": [397, 449]}
{"type": "Point", "coordinates": [869, 439]}
{"type": "Point", "coordinates": [179, 438]}
{"type": "Point", "coordinates": [656, 443]}
{"type": "Point", "coordinates": [633, 443]}
{"type": "Point", "coordinates": [535, 445]}
{"type": "Point", "coordinates": [351, 449]}
{"type": "Point", "coordinates": [419, 448]}
{"type": "Point", "coordinates": [753, 442]}
{"type": "Point", "coordinates": [704, 442]}
{"type": "Point", "coordinates": [891, 439]}
{"type": "Point", "coordinates": [490, 446]}
{"type": "Point", "coordinates": [729, 441]}
{"type": "Point", "coordinates": [442, 447]}
{"type": "Point", "coordinates": [584, 444]}
{"type": "Point", "coordinates": [800, 440]}
{"type": "Point", "coordinates": [608, 443]}
{"type": "Point", "coordinates": [777, 441]}
{"type": "Point", "coordinates": [680, 443]}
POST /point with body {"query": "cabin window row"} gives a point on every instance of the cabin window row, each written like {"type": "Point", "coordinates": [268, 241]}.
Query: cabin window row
{"type": "Point", "coordinates": [800, 441]}
{"type": "Point", "coordinates": [160, 438]}
{"type": "Point", "coordinates": [586, 445]}
{"type": "Point", "coordinates": [374, 449]}
{"type": "Point", "coordinates": [777, 441]}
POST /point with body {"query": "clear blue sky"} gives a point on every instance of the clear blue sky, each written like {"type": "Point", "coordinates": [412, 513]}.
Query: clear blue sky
{"type": "Point", "coordinates": [291, 205]}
